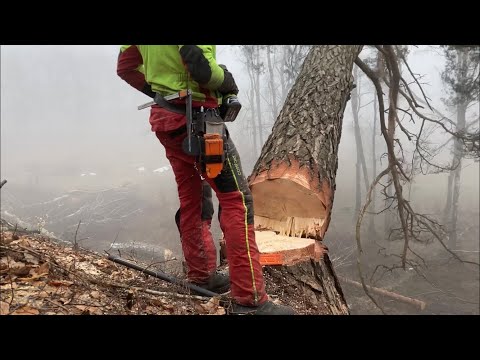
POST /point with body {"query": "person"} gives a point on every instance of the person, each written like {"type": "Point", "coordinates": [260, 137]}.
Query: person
{"type": "Point", "coordinates": [167, 69]}
{"type": "Point", "coordinates": [218, 283]}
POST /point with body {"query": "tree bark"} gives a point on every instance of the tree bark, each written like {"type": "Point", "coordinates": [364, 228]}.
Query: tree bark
{"type": "Point", "coordinates": [251, 99]}
{"type": "Point", "coordinates": [257, 93]}
{"type": "Point", "coordinates": [293, 181]}
{"type": "Point", "coordinates": [355, 109]}
{"type": "Point", "coordinates": [374, 166]}
{"type": "Point", "coordinates": [461, 112]}
{"type": "Point", "coordinates": [448, 204]}
{"type": "Point", "coordinates": [458, 150]}
{"type": "Point", "coordinates": [361, 163]}
{"type": "Point", "coordinates": [273, 89]}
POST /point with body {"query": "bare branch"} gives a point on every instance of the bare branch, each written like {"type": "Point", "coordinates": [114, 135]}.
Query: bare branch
{"type": "Point", "coordinates": [436, 236]}
{"type": "Point", "coordinates": [357, 234]}
{"type": "Point", "coordinates": [414, 77]}
{"type": "Point", "coordinates": [410, 92]}
{"type": "Point", "coordinates": [75, 244]}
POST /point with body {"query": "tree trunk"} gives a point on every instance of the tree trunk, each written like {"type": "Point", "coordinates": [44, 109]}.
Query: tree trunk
{"type": "Point", "coordinates": [252, 109]}
{"type": "Point", "coordinates": [293, 181]}
{"type": "Point", "coordinates": [257, 94]}
{"type": "Point", "coordinates": [388, 217]}
{"type": "Point", "coordinates": [361, 163]}
{"type": "Point", "coordinates": [448, 205]}
{"type": "Point", "coordinates": [358, 189]}
{"type": "Point", "coordinates": [281, 72]}
{"type": "Point", "coordinates": [273, 89]}
{"type": "Point", "coordinates": [374, 167]}
{"type": "Point", "coordinates": [458, 149]}
{"type": "Point", "coordinates": [452, 234]}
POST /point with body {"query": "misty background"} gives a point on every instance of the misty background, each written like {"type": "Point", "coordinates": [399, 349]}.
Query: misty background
{"type": "Point", "coordinates": [75, 148]}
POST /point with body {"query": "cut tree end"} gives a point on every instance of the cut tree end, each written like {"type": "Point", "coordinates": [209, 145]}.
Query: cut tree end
{"type": "Point", "coordinates": [289, 200]}
{"type": "Point", "coordinates": [285, 250]}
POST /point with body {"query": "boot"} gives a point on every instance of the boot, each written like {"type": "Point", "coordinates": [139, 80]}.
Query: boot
{"type": "Point", "coordinates": [217, 282]}
{"type": "Point", "coordinates": [267, 308]}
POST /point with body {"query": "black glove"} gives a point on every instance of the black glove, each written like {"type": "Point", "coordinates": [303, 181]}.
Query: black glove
{"type": "Point", "coordinates": [147, 90]}
{"type": "Point", "coordinates": [228, 86]}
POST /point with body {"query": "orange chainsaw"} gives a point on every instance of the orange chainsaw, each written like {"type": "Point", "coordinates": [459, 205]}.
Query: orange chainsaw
{"type": "Point", "coordinates": [206, 131]}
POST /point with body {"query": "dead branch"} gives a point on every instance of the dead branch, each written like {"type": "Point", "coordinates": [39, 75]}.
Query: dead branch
{"type": "Point", "coordinates": [388, 136]}
{"type": "Point", "coordinates": [10, 279]}
{"type": "Point", "coordinates": [50, 261]}
{"type": "Point", "coordinates": [405, 211]}
{"type": "Point", "coordinates": [75, 244]}
{"type": "Point", "coordinates": [413, 75]}
{"type": "Point", "coordinates": [423, 116]}
{"type": "Point", "coordinates": [357, 234]}
{"type": "Point", "coordinates": [405, 299]}
{"type": "Point", "coordinates": [148, 291]}
{"type": "Point", "coordinates": [437, 287]}
{"type": "Point", "coordinates": [410, 92]}
{"type": "Point", "coordinates": [58, 305]}
{"type": "Point", "coordinates": [376, 82]}
{"type": "Point", "coordinates": [434, 233]}
{"type": "Point", "coordinates": [392, 115]}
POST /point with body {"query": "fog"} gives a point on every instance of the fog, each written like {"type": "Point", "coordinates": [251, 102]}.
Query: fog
{"type": "Point", "coordinates": [68, 122]}
{"type": "Point", "coordinates": [66, 112]}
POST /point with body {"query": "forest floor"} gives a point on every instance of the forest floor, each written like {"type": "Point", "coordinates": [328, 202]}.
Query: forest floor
{"type": "Point", "coordinates": [39, 275]}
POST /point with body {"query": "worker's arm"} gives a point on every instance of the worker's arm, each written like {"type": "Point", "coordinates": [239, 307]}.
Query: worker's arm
{"type": "Point", "coordinates": [200, 62]}
{"type": "Point", "coordinates": [129, 65]}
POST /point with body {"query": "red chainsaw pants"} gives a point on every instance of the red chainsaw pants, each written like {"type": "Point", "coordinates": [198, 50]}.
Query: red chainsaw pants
{"type": "Point", "coordinates": [236, 220]}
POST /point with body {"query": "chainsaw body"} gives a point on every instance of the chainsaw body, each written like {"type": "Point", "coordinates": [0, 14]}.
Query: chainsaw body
{"type": "Point", "coordinates": [207, 141]}
{"type": "Point", "coordinates": [207, 135]}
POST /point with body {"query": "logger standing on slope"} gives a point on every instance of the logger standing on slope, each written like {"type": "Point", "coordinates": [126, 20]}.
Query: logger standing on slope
{"type": "Point", "coordinates": [168, 69]}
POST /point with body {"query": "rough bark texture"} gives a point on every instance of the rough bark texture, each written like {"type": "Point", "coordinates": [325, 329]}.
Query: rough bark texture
{"type": "Point", "coordinates": [371, 227]}
{"type": "Point", "coordinates": [316, 282]}
{"type": "Point", "coordinates": [293, 181]}
{"type": "Point", "coordinates": [302, 148]}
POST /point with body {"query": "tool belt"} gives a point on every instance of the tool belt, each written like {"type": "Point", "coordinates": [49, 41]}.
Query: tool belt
{"type": "Point", "coordinates": [206, 131]}
{"type": "Point", "coordinates": [176, 108]}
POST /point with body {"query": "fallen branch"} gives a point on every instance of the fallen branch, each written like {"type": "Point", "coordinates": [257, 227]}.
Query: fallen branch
{"type": "Point", "coordinates": [58, 305]}
{"type": "Point", "coordinates": [149, 291]}
{"type": "Point", "coordinates": [75, 244]}
{"type": "Point", "coordinates": [407, 300]}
